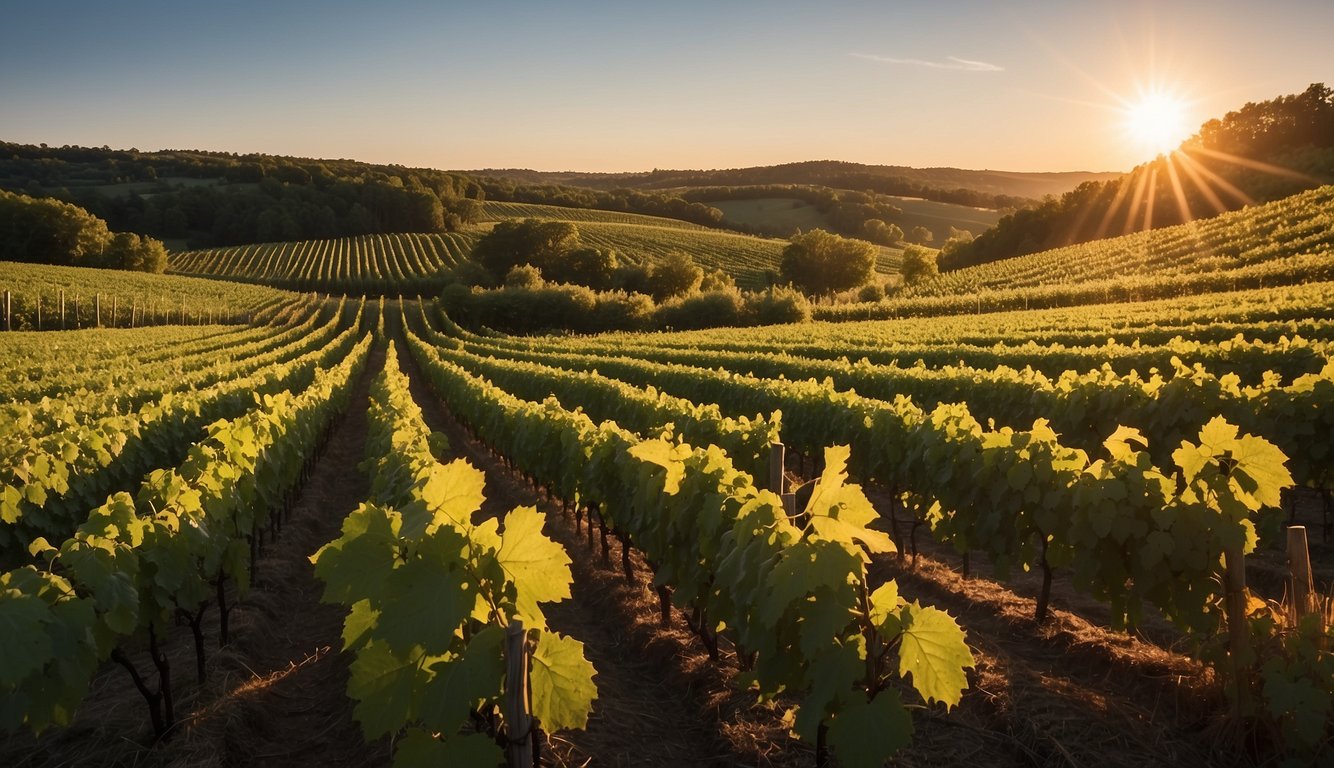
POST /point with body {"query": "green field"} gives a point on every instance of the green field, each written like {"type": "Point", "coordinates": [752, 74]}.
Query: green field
{"type": "Point", "coordinates": [777, 214]}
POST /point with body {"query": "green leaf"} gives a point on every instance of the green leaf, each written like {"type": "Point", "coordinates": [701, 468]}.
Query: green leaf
{"type": "Point", "coordinates": [353, 567]}
{"type": "Point", "coordinates": [458, 684]}
{"type": "Point", "coordinates": [561, 683]}
{"type": "Point", "coordinates": [24, 644]}
{"type": "Point", "coordinates": [358, 625]}
{"type": "Point", "coordinates": [452, 492]}
{"type": "Point", "coordinates": [885, 603]}
{"type": "Point", "coordinates": [866, 734]}
{"type": "Point", "coordinates": [382, 684]}
{"type": "Point", "coordinates": [1120, 444]}
{"type": "Point", "coordinates": [420, 749]}
{"type": "Point", "coordinates": [934, 652]}
{"type": "Point", "coordinates": [424, 603]}
{"type": "Point", "coordinates": [538, 566]}
{"type": "Point", "coordinates": [666, 455]}
{"type": "Point", "coordinates": [1264, 467]}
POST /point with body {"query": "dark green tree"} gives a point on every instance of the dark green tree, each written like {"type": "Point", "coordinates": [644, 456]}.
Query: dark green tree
{"type": "Point", "coordinates": [919, 263]}
{"type": "Point", "coordinates": [820, 263]}
{"type": "Point", "coordinates": [676, 274]}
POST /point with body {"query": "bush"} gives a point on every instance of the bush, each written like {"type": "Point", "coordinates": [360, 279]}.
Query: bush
{"type": "Point", "coordinates": [621, 311]}
{"type": "Point", "coordinates": [872, 291]}
{"type": "Point", "coordinates": [776, 306]}
{"type": "Point", "coordinates": [524, 276]}
{"type": "Point", "coordinates": [701, 310]}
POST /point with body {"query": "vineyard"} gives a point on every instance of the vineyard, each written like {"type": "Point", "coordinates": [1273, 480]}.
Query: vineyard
{"type": "Point", "coordinates": [1285, 242]}
{"type": "Point", "coordinates": [367, 265]}
{"type": "Point", "coordinates": [242, 525]}
{"type": "Point", "coordinates": [43, 297]}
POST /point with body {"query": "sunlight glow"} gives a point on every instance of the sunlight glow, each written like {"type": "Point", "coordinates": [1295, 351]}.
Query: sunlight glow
{"type": "Point", "coordinates": [1157, 122]}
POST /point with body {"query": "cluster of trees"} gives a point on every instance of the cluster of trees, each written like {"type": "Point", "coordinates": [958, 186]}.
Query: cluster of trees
{"type": "Point", "coordinates": [530, 305]}
{"type": "Point", "coordinates": [941, 184]}
{"type": "Point", "coordinates": [45, 231]}
{"type": "Point", "coordinates": [823, 264]}
{"type": "Point", "coordinates": [1294, 133]}
{"type": "Point", "coordinates": [624, 200]}
{"type": "Point", "coordinates": [536, 276]}
{"type": "Point", "coordinates": [520, 253]}
{"type": "Point", "coordinates": [216, 199]}
{"type": "Point", "coordinates": [847, 212]}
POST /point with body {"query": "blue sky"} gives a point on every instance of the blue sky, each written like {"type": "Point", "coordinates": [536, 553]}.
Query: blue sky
{"type": "Point", "coordinates": [610, 86]}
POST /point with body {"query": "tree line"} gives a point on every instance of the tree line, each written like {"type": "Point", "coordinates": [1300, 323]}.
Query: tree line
{"type": "Point", "coordinates": [44, 231]}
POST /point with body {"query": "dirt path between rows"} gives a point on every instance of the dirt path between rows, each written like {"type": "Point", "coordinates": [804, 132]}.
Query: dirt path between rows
{"type": "Point", "coordinates": [287, 702]}
{"type": "Point", "coordinates": [644, 714]}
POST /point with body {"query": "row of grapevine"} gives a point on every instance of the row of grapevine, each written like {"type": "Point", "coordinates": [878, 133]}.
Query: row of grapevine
{"type": "Point", "coordinates": [1286, 242]}
{"type": "Point", "coordinates": [1130, 533]}
{"type": "Point", "coordinates": [792, 594]}
{"type": "Point", "coordinates": [138, 564]}
{"type": "Point", "coordinates": [644, 411]}
{"type": "Point", "coordinates": [1251, 358]}
{"type": "Point", "coordinates": [383, 264]}
{"type": "Point", "coordinates": [94, 380]}
{"type": "Point", "coordinates": [1258, 315]}
{"type": "Point", "coordinates": [430, 592]}
{"type": "Point", "coordinates": [53, 474]}
{"type": "Point", "coordinates": [1082, 407]}
{"type": "Point", "coordinates": [45, 297]}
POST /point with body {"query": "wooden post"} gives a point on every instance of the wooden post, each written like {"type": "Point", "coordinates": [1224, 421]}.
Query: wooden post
{"type": "Point", "coordinates": [115, 306]}
{"type": "Point", "coordinates": [134, 305]}
{"type": "Point", "coordinates": [1299, 565]}
{"type": "Point", "coordinates": [790, 504]}
{"type": "Point", "coordinates": [1238, 629]}
{"type": "Point", "coordinates": [97, 310]}
{"type": "Point", "coordinates": [776, 460]}
{"type": "Point", "coordinates": [39, 310]}
{"type": "Point", "coordinates": [62, 309]}
{"type": "Point", "coordinates": [8, 323]}
{"type": "Point", "coordinates": [518, 720]}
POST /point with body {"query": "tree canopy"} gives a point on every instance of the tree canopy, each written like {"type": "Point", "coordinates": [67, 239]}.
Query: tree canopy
{"type": "Point", "coordinates": [820, 263]}
{"type": "Point", "coordinates": [44, 231]}
{"type": "Point", "coordinates": [919, 263]}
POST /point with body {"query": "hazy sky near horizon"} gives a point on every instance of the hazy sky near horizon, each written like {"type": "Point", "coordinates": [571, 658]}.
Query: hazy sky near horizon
{"type": "Point", "coordinates": [610, 86]}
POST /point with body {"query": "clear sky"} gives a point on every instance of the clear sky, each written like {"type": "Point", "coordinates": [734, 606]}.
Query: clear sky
{"type": "Point", "coordinates": [607, 86]}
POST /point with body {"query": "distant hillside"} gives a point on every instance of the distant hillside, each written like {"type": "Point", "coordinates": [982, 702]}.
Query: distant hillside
{"type": "Point", "coordinates": [412, 263]}
{"type": "Point", "coordinates": [1263, 151]}
{"type": "Point", "coordinates": [987, 189]}
{"type": "Point", "coordinates": [1286, 242]}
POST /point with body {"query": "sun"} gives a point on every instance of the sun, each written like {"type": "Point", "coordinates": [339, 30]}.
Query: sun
{"type": "Point", "coordinates": [1157, 122]}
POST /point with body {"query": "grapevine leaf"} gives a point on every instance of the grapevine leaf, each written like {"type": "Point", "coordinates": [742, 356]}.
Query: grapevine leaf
{"type": "Point", "coordinates": [832, 674]}
{"type": "Point", "coordinates": [1292, 696]}
{"type": "Point", "coordinates": [885, 602]}
{"type": "Point", "coordinates": [1218, 434]}
{"type": "Point", "coordinates": [865, 734]}
{"type": "Point", "coordinates": [453, 492]}
{"type": "Point", "coordinates": [804, 568]}
{"type": "Point", "coordinates": [358, 625]}
{"type": "Point", "coordinates": [458, 684]}
{"type": "Point", "coordinates": [424, 603]}
{"type": "Point", "coordinates": [666, 455]}
{"type": "Point", "coordinates": [1191, 460]}
{"type": "Point", "coordinates": [1263, 466]}
{"type": "Point", "coordinates": [1120, 444]}
{"type": "Point", "coordinates": [562, 683]}
{"type": "Point", "coordinates": [382, 683]}
{"type": "Point", "coordinates": [538, 566]}
{"type": "Point", "coordinates": [420, 749]}
{"type": "Point", "coordinates": [354, 565]}
{"type": "Point", "coordinates": [24, 644]}
{"type": "Point", "coordinates": [934, 652]}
